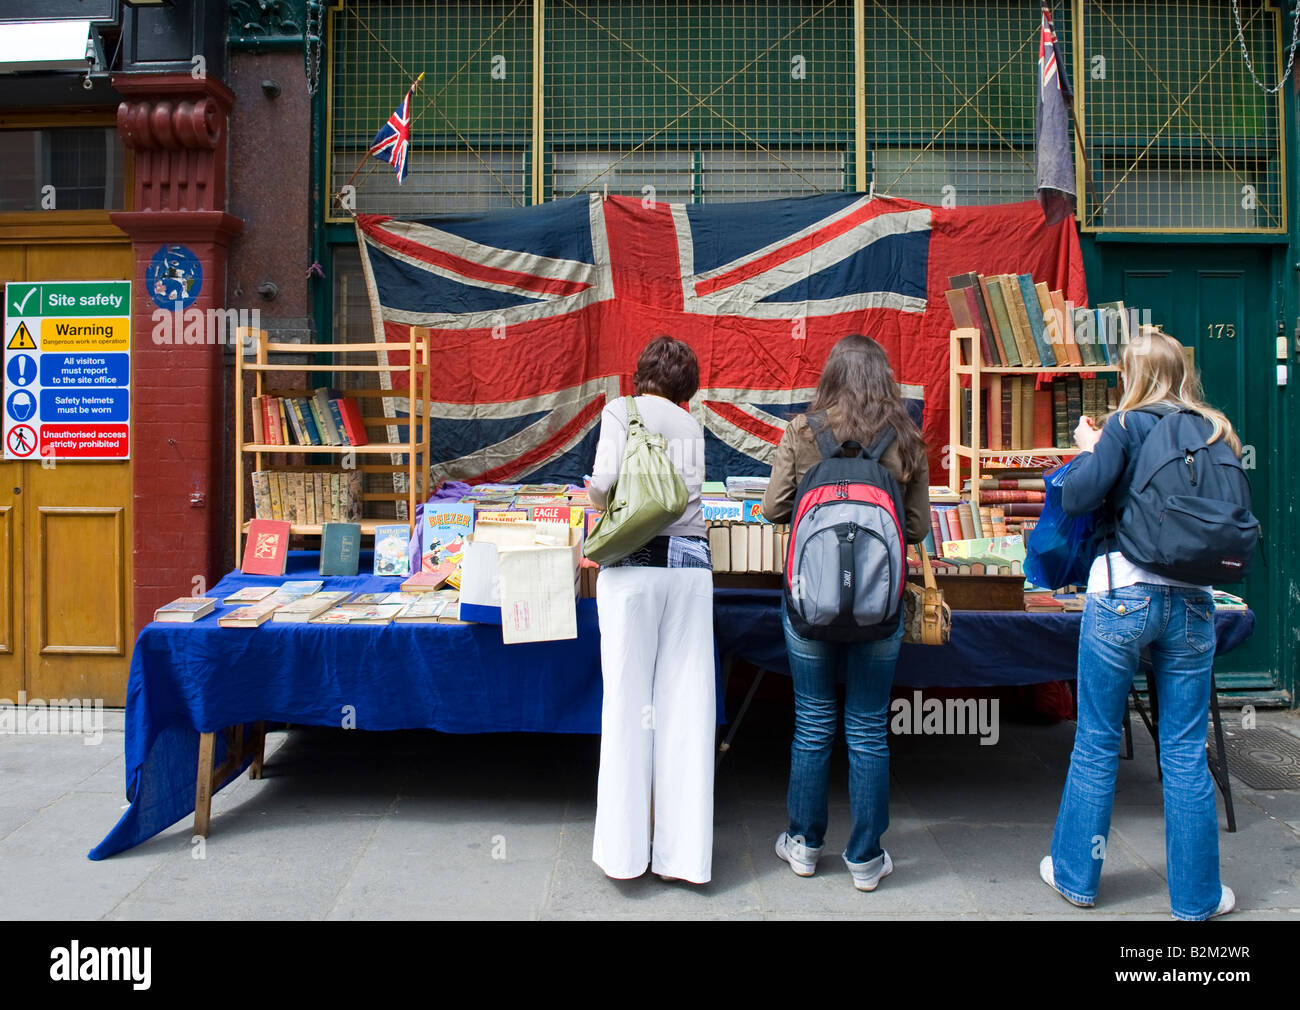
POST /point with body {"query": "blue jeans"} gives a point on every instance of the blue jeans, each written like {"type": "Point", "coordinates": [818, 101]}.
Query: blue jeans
{"type": "Point", "coordinates": [1178, 626]}
{"type": "Point", "coordinates": [869, 674]}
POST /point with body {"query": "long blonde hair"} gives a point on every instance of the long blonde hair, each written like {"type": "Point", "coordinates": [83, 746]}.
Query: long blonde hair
{"type": "Point", "coordinates": [1155, 371]}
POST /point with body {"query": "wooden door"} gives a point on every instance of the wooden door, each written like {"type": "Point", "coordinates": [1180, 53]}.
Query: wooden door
{"type": "Point", "coordinates": [65, 535]}
{"type": "Point", "coordinates": [1218, 300]}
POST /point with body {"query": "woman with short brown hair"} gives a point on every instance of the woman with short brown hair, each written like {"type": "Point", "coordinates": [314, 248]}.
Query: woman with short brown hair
{"type": "Point", "coordinates": [656, 648]}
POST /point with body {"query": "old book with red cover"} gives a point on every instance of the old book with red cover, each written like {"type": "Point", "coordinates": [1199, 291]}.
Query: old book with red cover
{"type": "Point", "coordinates": [356, 427]}
{"type": "Point", "coordinates": [267, 549]}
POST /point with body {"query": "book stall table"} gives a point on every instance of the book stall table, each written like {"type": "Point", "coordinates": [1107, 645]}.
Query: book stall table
{"type": "Point", "coordinates": [197, 690]}
{"type": "Point", "coordinates": [198, 683]}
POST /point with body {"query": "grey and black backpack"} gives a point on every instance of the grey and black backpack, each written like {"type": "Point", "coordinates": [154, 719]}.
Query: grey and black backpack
{"type": "Point", "coordinates": [846, 562]}
{"type": "Point", "coordinates": [1187, 514]}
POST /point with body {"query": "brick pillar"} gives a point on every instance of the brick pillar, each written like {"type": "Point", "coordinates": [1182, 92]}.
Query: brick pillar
{"type": "Point", "coordinates": [176, 127]}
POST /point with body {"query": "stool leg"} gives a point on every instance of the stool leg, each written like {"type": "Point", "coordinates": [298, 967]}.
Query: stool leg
{"type": "Point", "coordinates": [1155, 723]}
{"type": "Point", "coordinates": [203, 786]}
{"type": "Point", "coordinates": [1128, 734]}
{"type": "Point", "coordinates": [1220, 772]}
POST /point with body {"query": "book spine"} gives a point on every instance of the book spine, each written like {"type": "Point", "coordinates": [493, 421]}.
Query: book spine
{"type": "Point", "coordinates": [312, 409]}
{"type": "Point", "coordinates": [1001, 321]}
{"type": "Point", "coordinates": [336, 416]}
{"type": "Point", "coordinates": [1034, 317]}
{"type": "Point", "coordinates": [1019, 319]}
{"type": "Point", "coordinates": [255, 412]}
{"type": "Point", "coordinates": [302, 407]}
{"type": "Point", "coordinates": [935, 532]}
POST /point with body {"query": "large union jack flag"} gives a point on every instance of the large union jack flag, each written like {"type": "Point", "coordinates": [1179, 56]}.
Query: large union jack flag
{"type": "Point", "coordinates": [538, 315]}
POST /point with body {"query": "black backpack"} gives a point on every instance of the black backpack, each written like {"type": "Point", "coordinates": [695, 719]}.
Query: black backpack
{"type": "Point", "coordinates": [1187, 515]}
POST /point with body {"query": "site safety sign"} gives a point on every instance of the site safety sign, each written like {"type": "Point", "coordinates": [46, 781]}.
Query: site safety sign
{"type": "Point", "coordinates": [67, 374]}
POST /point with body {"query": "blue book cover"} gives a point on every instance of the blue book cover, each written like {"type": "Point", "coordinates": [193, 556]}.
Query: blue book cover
{"type": "Point", "coordinates": [1036, 322]}
{"type": "Point", "coordinates": [391, 544]}
{"type": "Point", "coordinates": [337, 416]}
{"type": "Point", "coordinates": [302, 407]}
{"type": "Point", "coordinates": [444, 532]}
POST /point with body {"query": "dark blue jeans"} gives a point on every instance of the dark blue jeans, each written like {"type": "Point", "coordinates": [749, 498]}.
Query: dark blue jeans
{"type": "Point", "coordinates": [868, 675]}
{"type": "Point", "coordinates": [1178, 626]}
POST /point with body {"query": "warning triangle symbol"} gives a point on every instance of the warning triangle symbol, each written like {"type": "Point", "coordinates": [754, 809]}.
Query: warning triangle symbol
{"type": "Point", "coordinates": [22, 339]}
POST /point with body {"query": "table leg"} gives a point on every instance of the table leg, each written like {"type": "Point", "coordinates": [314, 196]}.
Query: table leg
{"type": "Point", "coordinates": [203, 787]}
{"type": "Point", "coordinates": [740, 717]}
{"type": "Point", "coordinates": [259, 734]}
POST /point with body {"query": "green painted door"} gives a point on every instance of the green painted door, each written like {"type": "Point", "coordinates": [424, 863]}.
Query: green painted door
{"type": "Point", "coordinates": [1219, 301]}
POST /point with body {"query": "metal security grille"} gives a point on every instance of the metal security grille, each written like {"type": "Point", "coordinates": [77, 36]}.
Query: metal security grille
{"type": "Point", "coordinates": [1179, 138]}
{"type": "Point", "coordinates": [471, 116]}
{"type": "Point", "coordinates": [532, 100]}
{"type": "Point", "coordinates": [950, 99]}
{"type": "Point", "coordinates": [698, 102]}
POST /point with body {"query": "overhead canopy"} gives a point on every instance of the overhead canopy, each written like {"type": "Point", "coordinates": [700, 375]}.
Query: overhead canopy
{"type": "Point", "coordinates": [43, 45]}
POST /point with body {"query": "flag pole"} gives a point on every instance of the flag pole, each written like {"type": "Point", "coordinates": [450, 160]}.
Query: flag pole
{"type": "Point", "coordinates": [366, 157]}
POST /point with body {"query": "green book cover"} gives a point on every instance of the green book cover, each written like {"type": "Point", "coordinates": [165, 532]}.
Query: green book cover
{"type": "Point", "coordinates": [1002, 320]}
{"type": "Point", "coordinates": [1037, 325]}
{"type": "Point", "coordinates": [340, 548]}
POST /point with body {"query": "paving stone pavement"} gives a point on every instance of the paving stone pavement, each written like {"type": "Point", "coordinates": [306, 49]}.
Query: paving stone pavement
{"type": "Point", "coordinates": [411, 825]}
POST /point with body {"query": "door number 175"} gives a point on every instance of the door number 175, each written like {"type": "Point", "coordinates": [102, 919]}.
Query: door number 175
{"type": "Point", "coordinates": [1218, 331]}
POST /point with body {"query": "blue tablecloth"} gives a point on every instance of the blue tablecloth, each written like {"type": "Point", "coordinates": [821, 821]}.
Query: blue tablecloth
{"type": "Point", "coordinates": [988, 648]}
{"type": "Point", "coordinates": [188, 679]}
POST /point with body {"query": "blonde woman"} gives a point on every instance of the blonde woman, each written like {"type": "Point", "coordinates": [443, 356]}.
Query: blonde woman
{"type": "Point", "coordinates": [1128, 609]}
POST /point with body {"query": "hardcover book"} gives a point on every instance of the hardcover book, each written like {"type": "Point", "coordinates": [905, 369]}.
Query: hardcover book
{"type": "Point", "coordinates": [249, 594]}
{"type": "Point", "coordinates": [303, 609]}
{"type": "Point", "coordinates": [1001, 320]}
{"type": "Point", "coordinates": [252, 616]}
{"type": "Point", "coordinates": [267, 549]}
{"type": "Point", "coordinates": [390, 549]}
{"type": "Point", "coordinates": [445, 529]}
{"type": "Point", "coordinates": [340, 548]}
{"type": "Point", "coordinates": [1037, 325]}
{"type": "Point", "coordinates": [185, 609]}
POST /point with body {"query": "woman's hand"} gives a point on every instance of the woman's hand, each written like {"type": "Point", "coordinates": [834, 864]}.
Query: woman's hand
{"type": "Point", "coordinates": [1086, 435]}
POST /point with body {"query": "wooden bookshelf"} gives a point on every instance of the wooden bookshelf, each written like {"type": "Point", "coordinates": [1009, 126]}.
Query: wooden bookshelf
{"type": "Point", "coordinates": [265, 376]}
{"type": "Point", "coordinates": [966, 460]}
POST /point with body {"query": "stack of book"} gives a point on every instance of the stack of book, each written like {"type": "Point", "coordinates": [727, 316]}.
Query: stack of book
{"type": "Point", "coordinates": [748, 547]}
{"type": "Point", "coordinates": [325, 418]}
{"type": "Point", "coordinates": [1024, 324]}
{"type": "Point", "coordinates": [308, 497]}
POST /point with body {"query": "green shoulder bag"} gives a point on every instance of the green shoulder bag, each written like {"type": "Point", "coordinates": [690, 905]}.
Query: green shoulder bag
{"type": "Point", "coordinates": [648, 495]}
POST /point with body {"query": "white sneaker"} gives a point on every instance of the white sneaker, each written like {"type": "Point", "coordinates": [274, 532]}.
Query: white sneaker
{"type": "Point", "coordinates": [867, 876]}
{"type": "Point", "coordinates": [801, 858]}
{"type": "Point", "coordinates": [1227, 902]}
{"type": "Point", "coordinates": [1049, 878]}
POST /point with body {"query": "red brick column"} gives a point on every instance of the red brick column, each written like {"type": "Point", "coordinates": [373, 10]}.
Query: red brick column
{"type": "Point", "coordinates": [176, 127]}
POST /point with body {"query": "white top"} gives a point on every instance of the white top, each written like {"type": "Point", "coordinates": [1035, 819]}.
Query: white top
{"type": "Point", "coordinates": [1125, 573]}
{"type": "Point", "coordinates": [685, 447]}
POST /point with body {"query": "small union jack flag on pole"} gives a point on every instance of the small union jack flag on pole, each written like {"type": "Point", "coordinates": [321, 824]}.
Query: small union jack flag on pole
{"type": "Point", "coordinates": [393, 141]}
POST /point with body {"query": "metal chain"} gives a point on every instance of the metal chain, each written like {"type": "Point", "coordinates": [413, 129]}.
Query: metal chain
{"type": "Point", "coordinates": [1241, 38]}
{"type": "Point", "coordinates": [311, 52]}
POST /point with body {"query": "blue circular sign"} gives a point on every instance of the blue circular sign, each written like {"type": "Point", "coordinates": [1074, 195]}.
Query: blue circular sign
{"type": "Point", "coordinates": [174, 275]}
{"type": "Point", "coordinates": [21, 405]}
{"type": "Point", "coordinates": [22, 369]}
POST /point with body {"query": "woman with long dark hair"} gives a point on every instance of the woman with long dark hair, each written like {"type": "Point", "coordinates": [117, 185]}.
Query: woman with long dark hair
{"type": "Point", "coordinates": [1128, 609]}
{"type": "Point", "coordinates": [861, 399]}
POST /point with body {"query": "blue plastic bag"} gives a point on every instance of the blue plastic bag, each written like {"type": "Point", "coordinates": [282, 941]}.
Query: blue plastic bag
{"type": "Point", "coordinates": [1057, 552]}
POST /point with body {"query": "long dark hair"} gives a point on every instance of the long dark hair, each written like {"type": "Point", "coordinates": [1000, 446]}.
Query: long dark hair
{"type": "Point", "coordinates": [858, 384]}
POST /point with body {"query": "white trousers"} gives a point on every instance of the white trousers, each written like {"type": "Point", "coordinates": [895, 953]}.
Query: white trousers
{"type": "Point", "coordinates": [658, 722]}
